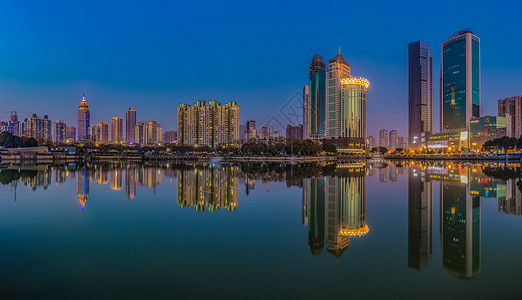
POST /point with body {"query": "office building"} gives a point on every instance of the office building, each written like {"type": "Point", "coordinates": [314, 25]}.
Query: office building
{"type": "Point", "coordinates": [338, 68]}
{"type": "Point", "coordinates": [420, 91]}
{"type": "Point", "coordinates": [306, 111]}
{"type": "Point", "coordinates": [84, 119]}
{"type": "Point", "coordinates": [511, 108]}
{"type": "Point", "coordinates": [393, 140]}
{"type": "Point", "coordinates": [486, 128]}
{"type": "Point", "coordinates": [294, 132]}
{"type": "Point", "coordinates": [383, 138]}
{"type": "Point", "coordinates": [353, 108]}
{"type": "Point", "coordinates": [130, 125]}
{"type": "Point", "coordinates": [211, 124]}
{"type": "Point", "coordinates": [460, 81]}
{"type": "Point", "coordinates": [103, 128]}
{"type": "Point", "coordinates": [36, 127]}
{"type": "Point", "coordinates": [70, 133]}
{"type": "Point", "coordinates": [117, 130]}
{"type": "Point", "coordinates": [316, 104]}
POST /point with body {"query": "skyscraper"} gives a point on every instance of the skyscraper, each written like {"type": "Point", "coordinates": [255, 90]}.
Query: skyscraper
{"type": "Point", "coordinates": [460, 80]}
{"type": "Point", "coordinates": [130, 125]}
{"type": "Point", "coordinates": [316, 113]}
{"type": "Point", "coordinates": [70, 133]}
{"type": "Point", "coordinates": [511, 108]}
{"type": "Point", "coordinates": [383, 138]}
{"type": "Point", "coordinates": [251, 129]}
{"type": "Point", "coordinates": [116, 130]}
{"type": "Point", "coordinates": [139, 133]}
{"type": "Point", "coordinates": [338, 68]}
{"type": "Point", "coordinates": [104, 132]}
{"type": "Point", "coordinates": [59, 131]}
{"type": "Point", "coordinates": [84, 119]}
{"type": "Point", "coordinates": [420, 90]}
{"type": "Point", "coordinates": [306, 111]}
{"type": "Point", "coordinates": [353, 108]}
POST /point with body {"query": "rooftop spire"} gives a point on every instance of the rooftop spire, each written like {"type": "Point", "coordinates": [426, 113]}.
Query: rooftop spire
{"type": "Point", "coordinates": [339, 48]}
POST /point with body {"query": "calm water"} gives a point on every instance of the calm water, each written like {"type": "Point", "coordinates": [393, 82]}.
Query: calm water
{"type": "Point", "coordinates": [261, 231]}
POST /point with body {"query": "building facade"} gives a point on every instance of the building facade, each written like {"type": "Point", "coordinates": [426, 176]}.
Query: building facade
{"type": "Point", "coordinates": [316, 107]}
{"type": "Point", "coordinates": [84, 119]}
{"type": "Point", "coordinates": [306, 111]}
{"type": "Point", "coordinates": [139, 133]}
{"type": "Point", "coordinates": [209, 124]}
{"type": "Point", "coordinates": [70, 133]}
{"type": "Point", "coordinates": [383, 138]}
{"type": "Point", "coordinates": [36, 127]}
{"type": "Point", "coordinates": [338, 68]}
{"type": "Point", "coordinates": [460, 80]}
{"type": "Point", "coordinates": [294, 132]}
{"type": "Point", "coordinates": [59, 128]}
{"type": "Point", "coordinates": [170, 136]}
{"type": "Point", "coordinates": [420, 90]}
{"type": "Point", "coordinates": [130, 125]}
{"type": "Point", "coordinates": [251, 129]}
{"type": "Point", "coordinates": [393, 141]}
{"type": "Point", "coordinates": [486, 128]}
{"type": "Point", "coordinates": [353, 108]}
{"type": "Point", "coordinates": [117, 130]}
{"type": "Point", "coordinates": [511, 109]}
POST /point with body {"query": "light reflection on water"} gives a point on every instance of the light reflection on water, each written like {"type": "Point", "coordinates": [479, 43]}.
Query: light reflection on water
{"type": "Point", "coordinates": [333, 203]}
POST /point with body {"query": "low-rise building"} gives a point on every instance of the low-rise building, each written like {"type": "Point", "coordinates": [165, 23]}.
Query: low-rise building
{"type": "Point", "coordinates": [487, 128]}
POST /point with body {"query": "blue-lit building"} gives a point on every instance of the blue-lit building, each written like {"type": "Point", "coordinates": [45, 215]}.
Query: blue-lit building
{"type": "Point", "coordinates": [317, 99]}
{"type": "Point", "coordinates": [460, 96]}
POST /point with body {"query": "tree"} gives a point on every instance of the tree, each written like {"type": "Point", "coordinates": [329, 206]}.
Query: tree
{"type": "Point", "coordinates": [8, 140]}
{"type": "Point", "coordinates": [329, 148]}
{"type": "Point", "coordinates": [29, 142]}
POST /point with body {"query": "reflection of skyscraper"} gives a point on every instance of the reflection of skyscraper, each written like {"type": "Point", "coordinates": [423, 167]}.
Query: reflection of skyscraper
{"type": "Point", "coordinates": [130, 182]}
{"type": "Point", "coordinates": [460, 236]}
{"type": "Point", "coordinates": [512, 202]}
{"type": "Point", "coordinates": [420, 215]}
{"type": "Point", "coordinates": [314, 197]}
{"type": "Point", "coordinates": [116, 179]}
{"type": "Point", "coordinates": [82, 186]}
{"type": "Point", "coordinates": [337, 208]}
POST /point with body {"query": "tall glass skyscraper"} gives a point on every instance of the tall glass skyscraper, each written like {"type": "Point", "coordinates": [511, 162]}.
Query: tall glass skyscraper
{"type": "Point", "coordinates": [420, 90]}
{"type": "Point", "coordinates": [84, 119]}
{"type": "Point", "coordinates": [460, 80]}
{"type": "Point", "coordinates": [353, 107]}
{"type": "Point", "coordinates": [317, 98]}
{"type": "Point", "coordinates": [338, 68]}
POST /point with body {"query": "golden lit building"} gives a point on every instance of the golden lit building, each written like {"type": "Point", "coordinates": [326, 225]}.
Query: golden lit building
{"type": "Point", "coordinates": [84, 119]}
{"type": "Point", "coordinates": [117, 130]}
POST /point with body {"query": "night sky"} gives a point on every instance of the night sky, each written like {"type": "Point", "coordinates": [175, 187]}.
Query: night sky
{"type": "Point", "coordinates": [152, 55]}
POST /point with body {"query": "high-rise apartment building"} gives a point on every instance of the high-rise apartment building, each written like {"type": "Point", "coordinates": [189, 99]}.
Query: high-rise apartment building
{"type": "Point", "coordinates": [117, 130]}
{"type": "Point", "coordinates": [170, 136]}
{"type": "Point", "coordinates": [394, 140]}
{"type": "Point", "coordinates": [209, 124]}
{"type": "Point", "coordinates": [139, 133]}
{"type": "Point", "coordinates": [59, 131]}
{"type": "Point", "coordinates": [251, 129]}
{"type": "Point", "coordinates": [84, 119]}
{"type": "Point", "coordinates": [316, 114]}
{"type": "Point", "coordinates": [371, 142]}
{"type": "Point", "coordinates": [403, 142]}
{"type": "Point", "coordinates": [460, 80]}
{"type": "Point", "coordinates": [420, 90]}
{"type": "Point", "coordinates": [306, 111]}
{"type": "Point", "coordinates": [383, 138]}
{"type": "Point", "coordinates": [36, 127]}
{"type": "Point", "coordinates": [103, 128]}
{"type": "Point", "coordinates": [130, 125]}
{"type": "Point", "coordinates": [511, 108]}
{"type": "Point", "coordinates": [338, 68]}
{"type": "Point", "coordinates": [12, 126]}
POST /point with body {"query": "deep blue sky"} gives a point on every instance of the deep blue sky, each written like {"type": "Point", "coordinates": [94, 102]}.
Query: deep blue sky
{"type": "Point", "coordinates": [152, 55]}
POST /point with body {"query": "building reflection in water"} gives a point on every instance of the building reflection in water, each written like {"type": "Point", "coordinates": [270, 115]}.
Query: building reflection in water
{"type": "Point", "coordinates": [420, 215]}
{"type": "Point", "coordinates": [336, 208]}
{"type": "Point", "coordinates": [82, 186]}
{"type": "Point", "coordinates": [206, 188]}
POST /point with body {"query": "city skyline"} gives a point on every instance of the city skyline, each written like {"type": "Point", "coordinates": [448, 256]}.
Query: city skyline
{"type": "Point", "coordinates": [111, 88]}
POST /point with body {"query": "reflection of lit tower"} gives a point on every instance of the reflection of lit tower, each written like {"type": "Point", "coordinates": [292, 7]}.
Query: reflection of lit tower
{"type": "Point", "coordinates": [130, 182]}
{"type": "Point", "coordinates": [82, 187]}
{"type": "Point", "coordinates": [116, 180]}
{"type": "Point", "coordinates": [314, 197]}
{"type": "Point", "coordinates": [460, 221]}
{"type": "Point", "coordinates": [420, 215]}
{"type": "Point", "coordinates": [345, 207]}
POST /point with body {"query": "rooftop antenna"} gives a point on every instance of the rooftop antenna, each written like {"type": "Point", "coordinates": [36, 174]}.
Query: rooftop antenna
{"type": "Point", "coordinates": [339, 48]}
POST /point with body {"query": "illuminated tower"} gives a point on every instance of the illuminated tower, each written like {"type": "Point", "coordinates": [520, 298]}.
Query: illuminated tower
{"type": "Point", "coordinates": [352, 114]}
{"type": "Point", "coordinates": [117, 130]}
{"type": "Point", "coordinates": [460, 80]}
{"type": "Point", "coordinates": [338, 68]}
{"type": "Point", "coordinates": [130, 126]}
{"type": "Point", "coordinates": [316, 108]}
{"type": "Point", "coordinates": [420, 90]}
{"type": "Point", "coordinates": [82, 186]}
{"type": "Point", "coordinates": [84, 119]}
